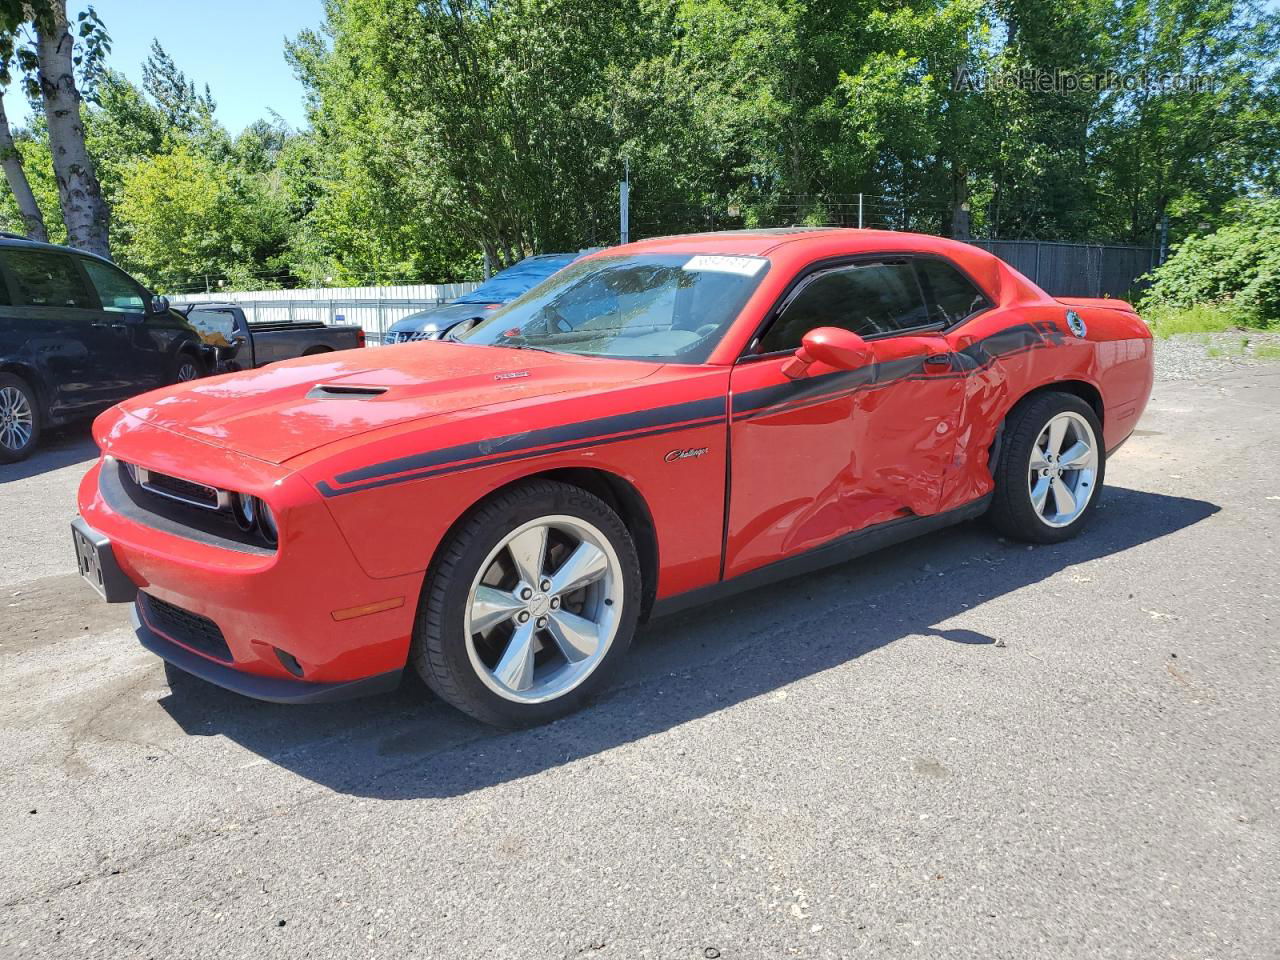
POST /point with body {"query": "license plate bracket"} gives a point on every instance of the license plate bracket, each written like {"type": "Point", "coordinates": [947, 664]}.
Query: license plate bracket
{"type": "Point", "coordinates": [98, 566]}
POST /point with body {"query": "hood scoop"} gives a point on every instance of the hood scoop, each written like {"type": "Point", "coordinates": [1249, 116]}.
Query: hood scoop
{"type": "Point", "coordinates": [339, 391]}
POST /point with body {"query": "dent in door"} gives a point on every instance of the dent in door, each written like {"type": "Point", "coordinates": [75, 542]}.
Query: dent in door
{"type": "Point", "coordinates": [835, 452]}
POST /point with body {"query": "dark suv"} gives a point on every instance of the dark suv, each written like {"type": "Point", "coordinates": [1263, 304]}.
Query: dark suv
{"type": "Point", "coordinates": [78, 334]}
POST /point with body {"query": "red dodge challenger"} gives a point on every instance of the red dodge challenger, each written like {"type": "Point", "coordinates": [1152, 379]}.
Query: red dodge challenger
{"type": "Point", "coordinates": [653, 426]}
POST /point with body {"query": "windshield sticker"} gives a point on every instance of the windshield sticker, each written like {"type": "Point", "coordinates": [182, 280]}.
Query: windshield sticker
{"type": "Point", "coordinates": [742, 266]}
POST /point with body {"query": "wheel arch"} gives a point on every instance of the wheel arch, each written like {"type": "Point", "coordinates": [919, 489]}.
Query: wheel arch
{"type": "Point", "coordinates": [316, 350]}
{"type": "Point", "coordinates": [1084, 389]}
{"type": "Point", "coordinates": [623, 498]}
{"type": "Point", "coordinates": [32, 378]}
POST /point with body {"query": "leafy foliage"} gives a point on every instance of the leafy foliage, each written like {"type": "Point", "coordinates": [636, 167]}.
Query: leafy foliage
{"type": "Point", "coordinates": [184, 215]}
{"type": "Point", "coordinates": [444, 131]}
{"type": "Point", "coordinates": [1236, 268]}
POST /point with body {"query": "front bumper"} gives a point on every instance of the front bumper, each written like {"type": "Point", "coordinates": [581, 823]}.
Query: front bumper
{"type": "Point", "coordinates": [284, 618]}
{"type": "Point", "coordinates": [273, 689]}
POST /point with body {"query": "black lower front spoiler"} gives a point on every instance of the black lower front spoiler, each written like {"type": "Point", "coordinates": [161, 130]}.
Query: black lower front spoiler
{"type": "Point", "coordinates": [272, 689]}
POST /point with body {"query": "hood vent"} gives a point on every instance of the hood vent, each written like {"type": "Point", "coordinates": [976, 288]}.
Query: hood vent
{"type": "Point", "coordinates": [337, 391]}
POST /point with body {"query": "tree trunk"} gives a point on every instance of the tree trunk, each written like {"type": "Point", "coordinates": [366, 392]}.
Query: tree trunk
{"type": "Point", "coordinates": [11, 160]}
{"type": "Point", "coordinates": [960, 224]}
{"type": "Point", "coordinates": [84, 210]}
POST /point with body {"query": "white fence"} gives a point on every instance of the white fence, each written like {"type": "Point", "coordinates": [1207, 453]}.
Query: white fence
{"type": "Point", "coordinates": [373, 308]}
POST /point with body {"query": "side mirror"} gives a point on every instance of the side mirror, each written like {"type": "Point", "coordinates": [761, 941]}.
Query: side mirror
{"type": "Point", "coordinates": [842, 349]}
{"type": "Point", "coordinates": [159, 304]}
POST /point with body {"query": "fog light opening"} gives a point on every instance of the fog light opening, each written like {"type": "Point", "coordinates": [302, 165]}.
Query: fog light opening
{"type": "Point", "coordinates": [289, 662]}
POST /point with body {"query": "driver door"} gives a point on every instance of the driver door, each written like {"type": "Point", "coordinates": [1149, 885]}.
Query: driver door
{"type": "Point", "coordinates": [838, 451]}
{"type": "Point", "coordinates": [124, 307]}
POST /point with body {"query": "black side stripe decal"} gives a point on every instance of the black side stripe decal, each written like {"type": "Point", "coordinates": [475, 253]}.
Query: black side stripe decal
{"type": "Point", "coordinates": [532, 443]}
{"type": "Point", "coordinates": [684, 416]}
{"type": "Point", "coordinates": [974, 358]}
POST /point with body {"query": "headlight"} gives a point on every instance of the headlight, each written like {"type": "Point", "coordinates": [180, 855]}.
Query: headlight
{"type": "Point", "coordinates": [245, 509]}
{"type": "Point", "coordinates": [267, 523]}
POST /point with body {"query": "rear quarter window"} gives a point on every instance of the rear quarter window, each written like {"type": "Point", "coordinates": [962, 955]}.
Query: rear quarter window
{"type": "Point", "coordinates": [948, 293]}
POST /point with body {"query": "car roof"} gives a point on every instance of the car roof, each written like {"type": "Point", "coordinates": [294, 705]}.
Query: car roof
{"type": "Point", "coordinates": [796, 246]}
{"type": "Point", "coordinates": [18, 240]}
{"type": "Point", "coordinates": [760, 242]}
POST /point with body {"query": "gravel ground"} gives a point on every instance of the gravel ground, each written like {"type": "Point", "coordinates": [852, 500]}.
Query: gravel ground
{"type": "Point", "coordinates": [959, 747]}
{"type": "Point", "coordinates": [1193, 356]}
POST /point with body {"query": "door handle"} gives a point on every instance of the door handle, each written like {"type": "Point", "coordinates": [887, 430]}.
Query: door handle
{"type": "Point", "coordinates": [937, 361]}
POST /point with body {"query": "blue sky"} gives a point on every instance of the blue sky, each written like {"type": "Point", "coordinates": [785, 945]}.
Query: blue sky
{"type": "Point", "coordinates": [235, 46]}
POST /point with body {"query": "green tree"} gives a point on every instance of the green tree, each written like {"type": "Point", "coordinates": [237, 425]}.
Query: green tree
{"type": "Point", "coordinates": [186, 216]}
{"type": "Point", "coordinates": [492, 123]}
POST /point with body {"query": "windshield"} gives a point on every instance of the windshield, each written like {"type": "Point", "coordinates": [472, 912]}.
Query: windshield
{"type": "Point", "coordinates": [668, 307]}
{"type": "Point", "coordinates": [513, 281]}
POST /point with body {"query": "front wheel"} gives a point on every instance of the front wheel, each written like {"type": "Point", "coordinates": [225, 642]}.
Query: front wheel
{"type": "Point", "coordinates": [1050, 471]}
{"type": "Point", "coordinates": [187, 367]}
{"type": "Point", "coordinates": [529, 606]}
{"type": "Point", "coordinates": [19, 419]}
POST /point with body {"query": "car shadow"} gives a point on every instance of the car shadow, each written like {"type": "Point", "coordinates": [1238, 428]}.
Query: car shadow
{"type": "Point", "coordinates": [409, 745]}
{"type": "Point", "coordinates": [58, 447]}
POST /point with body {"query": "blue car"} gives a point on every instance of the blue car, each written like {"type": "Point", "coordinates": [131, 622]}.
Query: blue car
{"type": "Point", "coordinates": [499, 289]}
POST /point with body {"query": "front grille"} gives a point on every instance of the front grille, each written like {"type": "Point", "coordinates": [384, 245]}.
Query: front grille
{"type": "Point", "coordinates": [409, 336]}
{"type": "Point", "coordinates": [130, 490]}
{"type": "Point", "coordinates": [182, 626]}
{"type": "Point", "coordinates": [196, 494]}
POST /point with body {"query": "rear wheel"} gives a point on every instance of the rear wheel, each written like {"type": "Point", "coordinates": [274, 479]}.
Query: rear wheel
{"type": "Point", "coordinates": [1051, 467]}
{"type": "Point", "coordinates": [529, 606]}
{"type": "Point", "coordinates": [19, 419]}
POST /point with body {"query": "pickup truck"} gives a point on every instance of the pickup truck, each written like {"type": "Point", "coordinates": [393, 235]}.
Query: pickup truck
{"type": "Point", "coordinates": [233, 343]}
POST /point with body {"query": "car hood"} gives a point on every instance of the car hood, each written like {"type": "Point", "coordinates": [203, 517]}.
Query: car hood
{"type": "Point", "coordinates": [279, 412]}
{"type": "Point", "coordinates": [441, 317]}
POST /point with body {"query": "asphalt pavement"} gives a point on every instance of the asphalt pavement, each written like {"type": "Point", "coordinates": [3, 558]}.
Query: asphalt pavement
{"type": "Point", "coordinates": [959, 747]}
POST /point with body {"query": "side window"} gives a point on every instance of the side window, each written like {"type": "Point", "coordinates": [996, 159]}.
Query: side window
{"type": "Point", "coordinates": [46, 280]}
{"type": "Point", "coordinates": [948, 293]}
{"type": "Point", "coordinates": [116, 290]}
{"type": "Point", "coordinates": [869, 299]}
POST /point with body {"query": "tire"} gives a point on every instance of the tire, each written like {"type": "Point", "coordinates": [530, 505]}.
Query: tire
{"type": "Point", "coordinates": [468, 665]}
{"type": "Point", "coordinates": [316, 351]}
{"type": "Point", "coordinates": [20, 418]}
{"type": "Point", "coordinates": [1030, 429]}
{"type": "Point", "coordinates": [187, 367]}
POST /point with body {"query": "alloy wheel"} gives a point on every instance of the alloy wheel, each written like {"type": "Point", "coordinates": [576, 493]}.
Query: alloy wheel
{"type": "Point", "coordinates": [1063, 469]}
{"type": "Point", "coordinates": [17, 421]}
{"type": "Point", "coordinates": [544, 609]}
